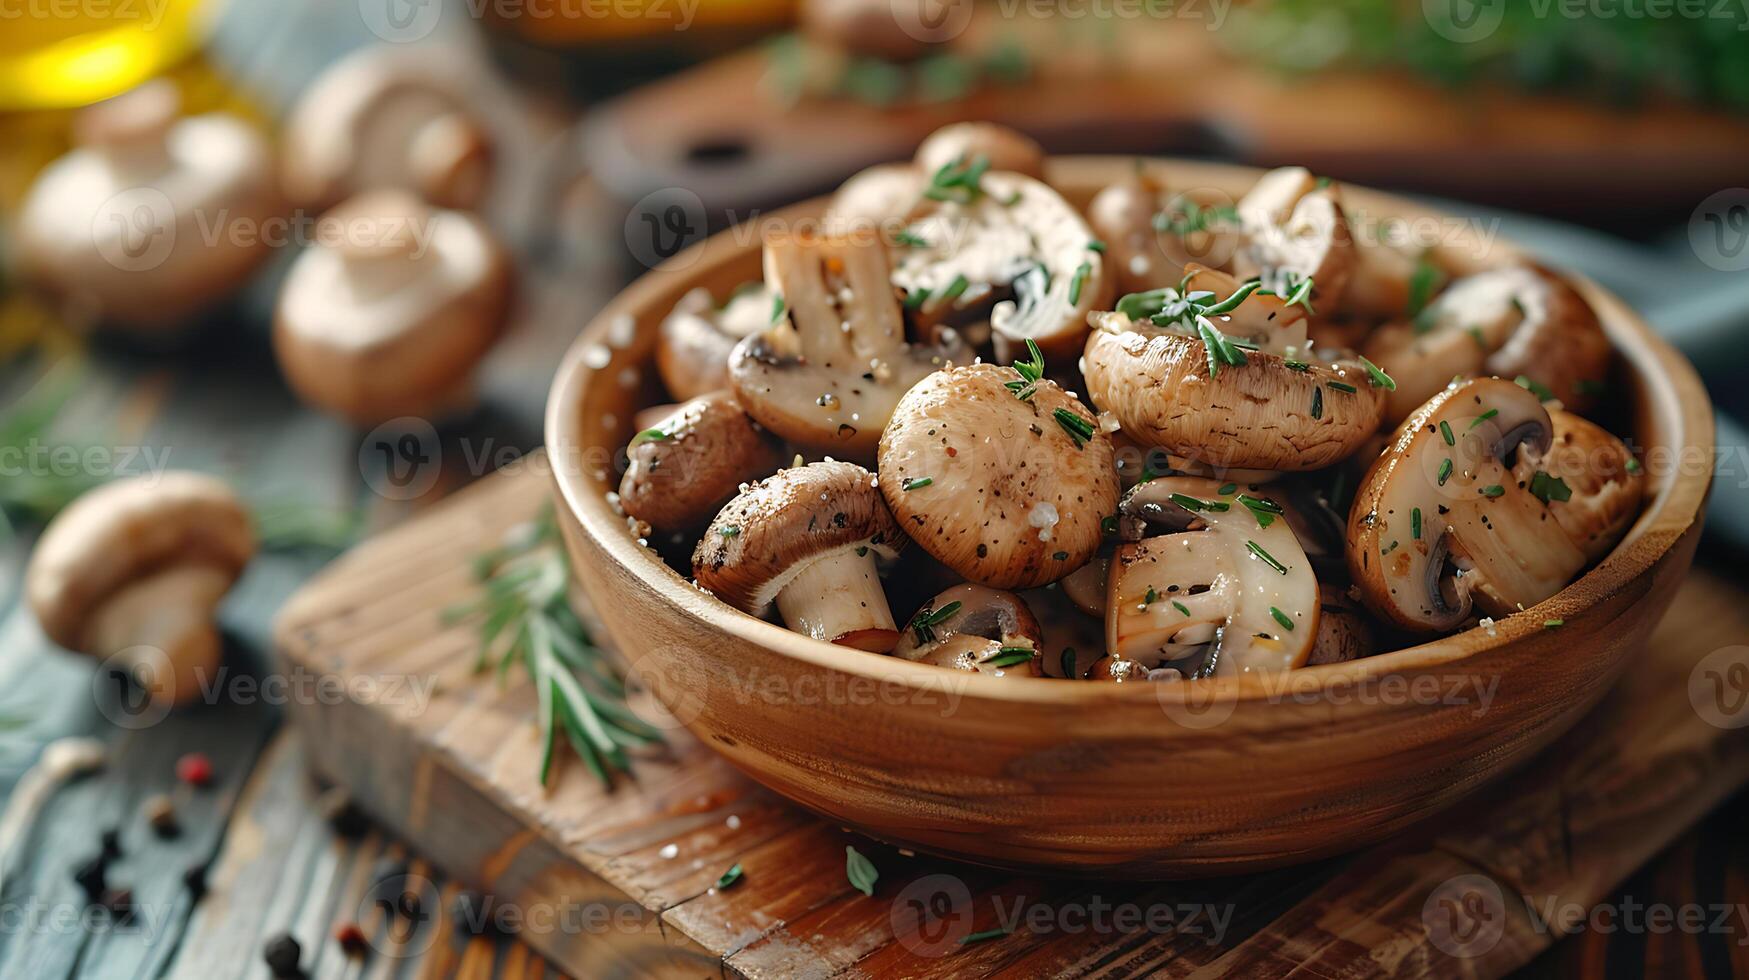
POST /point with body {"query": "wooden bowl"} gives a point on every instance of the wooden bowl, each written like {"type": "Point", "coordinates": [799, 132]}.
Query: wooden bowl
{"type": "Point", "coordinates": [1126, 780]}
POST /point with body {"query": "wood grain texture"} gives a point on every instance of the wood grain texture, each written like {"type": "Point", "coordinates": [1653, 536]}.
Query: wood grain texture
{"type": "Point", "coordinates": [1089, 778]}
{"type": "Point", "coordinates": [457, 780]}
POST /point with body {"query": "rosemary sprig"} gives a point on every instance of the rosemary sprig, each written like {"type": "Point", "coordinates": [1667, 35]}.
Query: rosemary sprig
{"type": "Point", "coordinates": [1031, 372]}
{"type": "Point", "coordinates": [1186, 217]}
{"type": "Point", "coordinates": [525, 618]}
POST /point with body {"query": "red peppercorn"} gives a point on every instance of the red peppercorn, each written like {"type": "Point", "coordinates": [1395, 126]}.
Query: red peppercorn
{"type": "Point", "coordinates": [351, 938]}
{"type": "Point", "coordinates": [195, 769]}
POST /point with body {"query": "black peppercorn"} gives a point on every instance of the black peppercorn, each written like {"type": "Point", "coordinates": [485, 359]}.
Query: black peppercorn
{"type": "Point", "coordinates": [92, 877]}
{"type": "Point", "coordinates": [194, 879]}
{"type": "Point", "coordinates": [284, 957]}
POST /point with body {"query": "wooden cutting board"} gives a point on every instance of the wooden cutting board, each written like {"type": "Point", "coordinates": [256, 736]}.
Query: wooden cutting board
{"type": "Point", "coordinates": [627, 874]}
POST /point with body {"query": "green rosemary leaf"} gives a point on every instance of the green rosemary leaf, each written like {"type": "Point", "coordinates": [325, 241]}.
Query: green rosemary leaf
{"type": "Point", "coordinates": [861, 871]}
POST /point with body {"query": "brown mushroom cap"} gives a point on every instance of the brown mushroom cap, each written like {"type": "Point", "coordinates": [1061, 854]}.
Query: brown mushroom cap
{"type": "Point", "coordinates": [1270, 413]}
{"type": "Point", "coordinates": [1601, 486]}
{"type": "Point", "coordinates": [1004, 148]}
{"type": "Point", "coordinates": [763, 537]}
{"type": "Point", "coordinates": [827, 374]}
{"type": "Point", "coordinates": [381, 119]}
{"type": "Point", "coordinates": [1207, 590]}
{"type": "Point", "coordinates": [393, 318]}
{"type": "Point", "coordinates": [123, 533]}
{"type": "Point", "coordinates": [1294, 229]}
{"type": "Point", "coordinates": [1144, 257]}
{"type": "Point", "coordinates": [685, 467]}
{"type": "Point", "coordinates": [1440, 523]}
{"type": "Point", "coordinates": [871, 27]}
{"type": "Point", "coordinates": [153, 219]}
{"type": "Point", "coordinates": [1012, 500]}
{"type": "Point", "coordinates": [1516, 321]}
{"type": "Point", "coordinates": [696, 339]}
{"type": "Point", "coordinates": [976, 629]}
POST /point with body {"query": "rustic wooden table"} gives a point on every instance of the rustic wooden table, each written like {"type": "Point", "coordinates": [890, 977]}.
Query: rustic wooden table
{"type": "Point", "coordinates": [272, 862]}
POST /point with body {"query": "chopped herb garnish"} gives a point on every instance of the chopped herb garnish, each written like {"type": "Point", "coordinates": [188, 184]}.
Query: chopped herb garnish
{"type": "Point", "coordinates": [1550, 624]}
{"type": "Point", "coordinates": [1541, 391]}
{"type": "Point", "coordinates": [1300, 366]}
{"type": "Point", "coordinates": [1378, 378]}
{"type": "Point", "coordinates": [1444, 471]}
{"type": "Point", "coordinates": [1185, 217]}
{"type": "Point", "coordinates": [1317, 403]}
{"type": "Point", "coordinates": [1226, 489]}
{"type": "Point", "coordinates": [651, 435]}
{"type": "Point", "coordinates": [730, 531]}
{"type": "Point", "coordinates": [777, 308]}
{"type": "Point", "coordinates": [1445, 432]}
{"type": "Point", "coordinates": [1476, 335]}
{"type": "Point", "coordinates": [958, 181]}
{"type": "Point", "coordinates": [1060, 556]}
{"type": "Point", "coordinates": [1108, 524]}
{"type": "Point", "coordinates": [1067, 661]}
{"type": "Point", "coordinates": [1148, 599]}
{"type": "Point", "coordinates": [1220, 349]}
{"type": "Point", "coordinates": [1031, 371]}
{"type": "Point", "coordinates": [1008, 657]}
{"type": "Point", "coordinates": [1423, 283]}
{"type": "Point", "coordinates": [1282, 618]}
{"type": "Point", "coordinates": [987, 934]}
{"type": "Point", "coordinates": [1415, 523]}
{"type": "Point", "coordinates": [916, 298]}
{"type": "Point", "coordinates": [1096, 246]}
{"type": "Point", "coordinates": [1485, 416]}
{"type": "Point", "coordinates": [1344, 386]}
{"type": "Point", "coordinates": [1268, 558]}
{"type": "Point", "coordinates": [861, 871]}
{"type": "Point", "coordinates": [912, 483]}
{"type": "Point", "coordinates": [1181, 607]}
{"type": "Point", "coordinates": [955, 288]}
{"type": "Point", "coordinates": [1079, 429]}
{"type": "Point", "coordinates": [1633, 465]}
{"type": "Point", "coordinates": [1493, 490]}
{"type": "Point", "coordinates": [923, 624]}
{"type": "Point", "coordinates": [1549, 488]}
{"type": "Point", "coordinates": [910, 240]}
{"type": "Point", "coordinates": [1194, 504]}
{"type": "Point", "coordinates": [1082, 271]}
{"type": "Point", "coordinates": [1262, 508]}
{"type": "Point", "coordinates": [729, 878]}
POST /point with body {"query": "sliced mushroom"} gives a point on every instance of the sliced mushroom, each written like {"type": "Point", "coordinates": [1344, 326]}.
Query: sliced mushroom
{"type": "Point", "coordinates": [1440, 524]}
{"type": "Point", "coordinates": [980, 236]}
{"type": "Point", "coordinates": [135, 568]}
{"type": "Point", "coordinates": [387, 118]}
{"type": "Point", "coordinates": [1520, 321]}
{"type": "Point", "coordinates": [829, 370]}
{"type": "Point", "coordinates": [1294, 230]}
{"type": "Point", "coordinates": [152, 219]}
{"type": "Point", "coordinates": [1085, 586]}
{"type": "Point", "coordinates": [977, 629]}
{"type": "Point", "coordinates": [806, 539]}
{"type": "Point", "coordinates": [1003, 148]}
{"type": "Point", "coordinates": [1272, 408]}
{"type": "Point", "coordinates": [682, 469]}
{"type": "Point", "coordinates": [393, 315]}
{"type": "Point", "coordinates": [872, 198]}
{"type": "Point", "coordinates": [1384, 279]}
{"type": "Point", "coordinates": [1591, 481]}
{"type": "Point", "coordinates": [696, 340]}
{"type": "Point", "coordinates": [1152, 238]}
{"type": "Point", "coordinates": [1009, 492]}
{"type": "Point", "coordinates": [1229, 592]}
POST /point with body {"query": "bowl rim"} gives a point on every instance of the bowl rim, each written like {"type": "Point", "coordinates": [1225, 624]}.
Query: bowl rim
{"type": "Point", "coordinates": [1674, 399]}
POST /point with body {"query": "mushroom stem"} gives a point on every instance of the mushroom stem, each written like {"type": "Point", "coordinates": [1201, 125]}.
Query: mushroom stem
{"type": "Point", "coordinates": [164, 623]}
{"type": "Point", "coordinates": [838, 598]}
